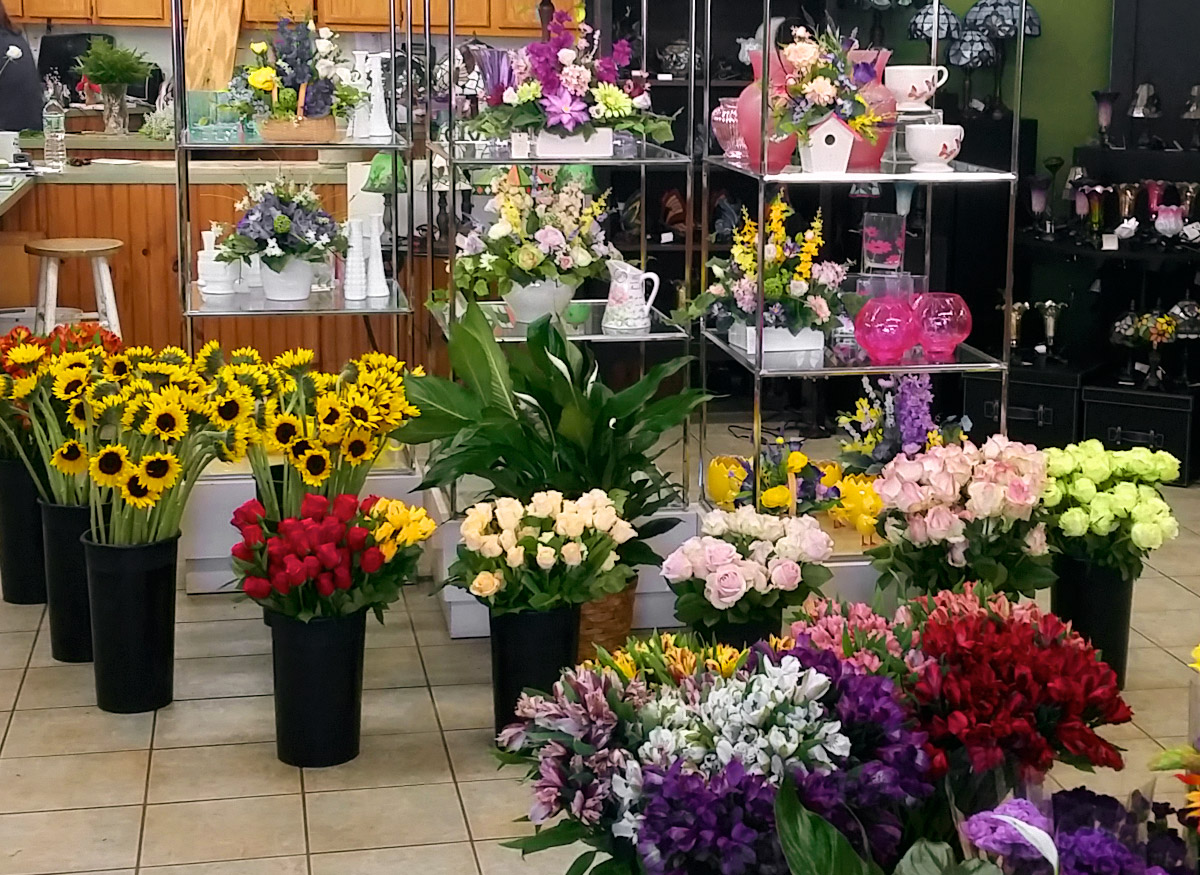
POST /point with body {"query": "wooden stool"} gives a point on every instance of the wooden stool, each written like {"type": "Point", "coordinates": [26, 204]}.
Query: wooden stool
{"type": "Point", "coordinates": [95, 248]}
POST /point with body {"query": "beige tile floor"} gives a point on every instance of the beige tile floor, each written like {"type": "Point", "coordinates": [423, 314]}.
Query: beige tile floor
{"type": "Point", "coordinates": [195, 789]}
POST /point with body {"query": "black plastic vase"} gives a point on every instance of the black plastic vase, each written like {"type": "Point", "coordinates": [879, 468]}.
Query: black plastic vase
{"type": "Point", "coordinates": [22, 573]}
{"type": "Point", "coordinates": [529, 651]}
{"type": "Point", "coordinates": [132, 592]}
{"type": "Point", "coordinates": [67, 602]}
{"type": "Point", "coordinates": [1097, 601]}
{"type": "Point", "coordinates": [742, 635]}
{"type": "Point", "coordinates": [318, 687]}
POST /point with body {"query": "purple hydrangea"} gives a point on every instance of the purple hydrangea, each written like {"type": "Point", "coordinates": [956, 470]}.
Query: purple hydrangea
{"type": "Point", "coordinates": [989, 833]}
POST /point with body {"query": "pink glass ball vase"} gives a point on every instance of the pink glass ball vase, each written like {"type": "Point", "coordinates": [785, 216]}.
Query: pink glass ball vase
{"type": "Point", "coordinates": [885, 329]}
{"type": "Point", "coordinates": [725, 130]}
{"type": "Point", "coordinates": [943, 321]}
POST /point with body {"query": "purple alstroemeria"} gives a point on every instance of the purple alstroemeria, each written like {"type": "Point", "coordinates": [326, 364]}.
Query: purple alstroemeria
{"type": "Point", "coordinates": [564, 108]}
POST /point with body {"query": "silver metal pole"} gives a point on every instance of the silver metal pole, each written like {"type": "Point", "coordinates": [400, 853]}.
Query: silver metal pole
{"type": "Point", "coordinates": [1014, 166]}
{"type": "Point", "coordinates": [182, 184]}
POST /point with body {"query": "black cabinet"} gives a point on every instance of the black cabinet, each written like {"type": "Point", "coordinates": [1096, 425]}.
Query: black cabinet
{"type": "Point", "coordinates": [1044, 404]}
{"type": "Point", "coordinates": [1122, 418]}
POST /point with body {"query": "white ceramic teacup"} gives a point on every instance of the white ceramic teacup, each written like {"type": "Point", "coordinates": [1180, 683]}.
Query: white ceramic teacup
{"type": "Point", "coordinates": [914, 84]}
{"type": "Point", "coordinates": [933, 147]}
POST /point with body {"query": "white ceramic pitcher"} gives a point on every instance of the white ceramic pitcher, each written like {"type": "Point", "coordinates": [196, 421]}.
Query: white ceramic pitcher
{"type": "Point", "coordinates": [628, 307]}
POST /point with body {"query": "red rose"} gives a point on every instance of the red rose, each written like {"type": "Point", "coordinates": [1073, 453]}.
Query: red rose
{"type": "Point", "coordinates": [345, 507]}
{"type": "Point", "coordinates": [277, 548]}
{"type": "Point", "coordinates": [252, 535]}
{"type": "Point", "coordinates": [356, 538]}
{"type": "Point", "coordinates": [256, 587]}
{"type": "Point", "coordinates": [295, 570]}
{"type": "Point", "coordinates": [372, 560]}
{"type": "Point", "coordinates": [280, 582]}
{"type": "Point", "coordinates": [368, 503]}
{"type": "Point", "coordinates": [249, 513]}
{"type": "Point", "coordinates": [314, 507]}
{"type": "Point", "coordinates": [328, 555]}
{"type": "Point", "coordinates": [330, 531]}
{"type": "Point", "coordinates": [289, 527]}
{"type": "Point", "coordinates": [325, 584]}
{"type": "Point", "coordinates": [341, 577]}
{"type": "Point", "coordinates": [312, 566]}
{"type": "Point", "coordinates": [243, 551]}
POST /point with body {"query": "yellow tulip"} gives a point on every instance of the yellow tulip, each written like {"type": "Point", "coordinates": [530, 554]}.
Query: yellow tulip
{"type": "Point", "coordinates": [796, 462]}
{"type": "Point", "coordinates": [262, 78]}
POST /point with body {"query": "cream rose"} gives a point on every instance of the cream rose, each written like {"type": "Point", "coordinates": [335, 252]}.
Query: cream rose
{"type": "Point", "coordinates": [490, 548]}
{"type": "Point", "coordinates": [509, 512]}
{"type": "Point", "coordinates": [622, 531]}
{"type": "Point", "coordinates": [546, 557]}
{"type": "Point", "coordinates": [486, 585]}
{"type": "Point", "coordinates": [515, 557]}
{"type": "Point", "coordinates": [572, 553]}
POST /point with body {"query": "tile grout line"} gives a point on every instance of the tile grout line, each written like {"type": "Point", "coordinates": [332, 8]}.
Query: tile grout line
{"type": "Point", "coordinates": [137, 861]}
{"type": "Point", "coordinates": [12, 713]}
{"type": "Point", "coordinates": [304, 822]}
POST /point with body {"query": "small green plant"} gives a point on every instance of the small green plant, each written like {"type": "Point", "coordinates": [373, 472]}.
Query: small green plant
{"type": "Point", "coordinates": [105, 63]}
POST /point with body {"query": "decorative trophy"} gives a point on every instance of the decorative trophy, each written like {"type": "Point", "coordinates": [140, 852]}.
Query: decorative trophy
{"type": "Point", "coordinates": [1050, 311]}
{"type": "Point", "coordinates": [1015, 315]}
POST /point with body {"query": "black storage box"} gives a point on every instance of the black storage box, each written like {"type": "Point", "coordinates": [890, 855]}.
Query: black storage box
{"type": "Point", "coordinates": [1122, 418]}
{"type": "Point", "coordinates": [1044, 404]}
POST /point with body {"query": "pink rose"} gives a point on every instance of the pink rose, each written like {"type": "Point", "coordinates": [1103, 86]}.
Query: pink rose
{"type": "Point", "coordinates": [912, 498]}
{"type": "Point", "coordinates": [718, 553]}
{"type": "Point", "coordinates": [888, 489]}
{"type": "Point", "coordinates": [917, 532]}
{"type": "Point", "coordinates": [755, 575]}
{"type": "Point", "coordinates": [1035, 541]}
{"type": "Point", "coordinates": [677, 567]}
{"type": "Point", "coordinates": [942, 524]}
{"type": "Point", "coordinates": [943, 487]}
{"type": "Point", "coordinates": [908, 469]}
{"type": "Point", "coordinates": [815, 545]}
{"type": "Point", "coordinates": [693, 551]}
{"type": "Point", "coordinates": [985, 499]}
{"type": "Point", "coordinates": [724, 586]}
{"type": "Point", "coordinates": [785, 574]}
{"type": "Point", "coordinates": [1021, 497]}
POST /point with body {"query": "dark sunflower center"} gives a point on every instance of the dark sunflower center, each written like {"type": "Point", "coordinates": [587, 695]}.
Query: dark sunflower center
{"type": "Point", "coordinates": [73, 386]}
{"type": "Point", "coordinates": [158, 468]}
{"type": "Point", "coordinates": [120, 369]}
{"type": "Point", "coordinates": [332, 417]}
{"type": "Point", "coordinates": [229, 409]}
{"type": "Point", "coordinates": [285, 432]}
{"type": "Point", "coordinates": [72, 452]}
{"type": "Point", "coordinates": [300, 447]}
{"type": "Point", "coordinates": [110, 463]}
{"type": "Point", "coordinates": [360, 413]}
{"type": "Point", "coordinates": [358, 448]}
{"type": "Point", "coordinates": [315, 465]}
{"type": "Point", "coordinates": [137, 488]}
{"type": "Point", "coordinates": [78, 410]}
{"type": "Point", "coordinates": [165, 422]}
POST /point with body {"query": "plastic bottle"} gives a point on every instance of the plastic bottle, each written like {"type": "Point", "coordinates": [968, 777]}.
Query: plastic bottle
{"type": "Point", "coordinates": [54, 127]}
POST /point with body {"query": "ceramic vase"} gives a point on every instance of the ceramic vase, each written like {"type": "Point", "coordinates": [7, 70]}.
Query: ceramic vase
{"type": "Point", "coordinates": [360, 120]}
{"type": "Point", "coordinates": [377, 284]}
{"type": "Point", "coordinates": [866, 156]}
{"type": "Point", "coordinates": [750, 123]}
{"type": "Point", "coordinates": [530, 303]}
{"type": "Point", "coordinates": [354, 281]}
{"type": "Point", "coordinates": [292, 283]}
{"type": "Point", "coordinates": [378, 126]}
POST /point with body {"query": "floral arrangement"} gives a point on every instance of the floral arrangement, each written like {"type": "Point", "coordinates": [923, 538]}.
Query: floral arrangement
{"type": "Point", "coordinates": [959, 512]}
{"type": "Point", "coordinates": [800, 292]}
{"type": "Point", "coordinates": [789, 482]}
{"type": "Point", "coordinates": [544, 555]}
{"type": "Point", "coordinates": [894, 415]}
{"type": "Point", "coordinates": [564, 86]}
{"type": "Point", "coordinates": [1105, 507]}
{"type": "Point", "coordinates": [552, 232]}
{"type": "Point", "coordinates": [326, 429]}
{"type": "Point", "coordinates": [1185, 758]}
{"type": "Point", "coordinates": [822, 82]}
{"type": "Point", "coordinates": [282, 220]}
{"type": "Point", "coordinates": [336, 558]}
{"type": "Point", "coordinates": [308, 77]}
{"type": "Point", "coordinates": [746, 567]}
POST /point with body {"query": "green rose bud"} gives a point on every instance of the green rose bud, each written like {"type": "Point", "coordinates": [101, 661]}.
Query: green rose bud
{"type": "Point", "coordinates": [1083, 489]}
{"type": "Point", "coordinates": [1146, 536]}
{"type": "Point", "coordinates": [528, 257]}
{"type": "Point", "coordinates": [1074, 522]}
{"type": "Point", "coordinates": [1058, 463]}
{"type": "Point", "coordinates": [282, 224]}
{"type": "Point", "coordinates": [1102, 524]}
{"type": "Point", "coordinates": [1096, 468]}
{"type": "Point", "coordinates": [1124, 496]}
{"type": "Point", "coordinates": [1052, 494]}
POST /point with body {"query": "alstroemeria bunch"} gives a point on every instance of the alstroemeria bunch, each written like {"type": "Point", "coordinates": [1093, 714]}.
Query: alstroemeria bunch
{"type": "Point", "coordinates": [959, 512]}
{"type": "Point", "coordinates": [669, 657]}
{"type": "Point", "coordinates": [282, 220]}
{"type": "Point", "coordinates": [564, 86]}
{"type": "Point", "coordinates": [821, 82]}
{"type": "Point", "coordinates": [746, 566]}
{"type": "Point", "coordinates": [544, 555]}
{"type": "Point", "coordinates": [551, 232]}
{"type": "Point", "coordinates": [308, 78]}
{"type": "Point", "coordinates": [853, 632]}
{"type": "Point", "coordinates": [1105, 506]}
{"type": "Point", "coordinates": [799, 291]}
{"type": "Point", "coordinates": [336, 558]}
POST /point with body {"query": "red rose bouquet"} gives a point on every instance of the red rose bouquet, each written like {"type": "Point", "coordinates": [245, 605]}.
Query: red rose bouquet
{"type": "Point", "coordinates": [337, 558]}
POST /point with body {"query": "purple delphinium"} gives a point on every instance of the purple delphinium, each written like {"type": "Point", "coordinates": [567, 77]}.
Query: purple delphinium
{"type": "Point", "coordinates": [989, 833]}
{"type": "Point", "coordinates": [293, 53]}
{"type": "Point", "coordinates": [318, 98]}
{"type": "Point", "coordinates": [723, 825]}
{"type": "Point", "coordinates": [1096, 852]}
{"type": "Point", "coordinates": [914, 400]}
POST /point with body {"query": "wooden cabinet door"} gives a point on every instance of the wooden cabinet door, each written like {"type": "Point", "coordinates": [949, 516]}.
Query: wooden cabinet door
{"type": "Point", "coordinates": [356, 13]}
{"type": "Point", "coordinates": [270, 11]}
{"type": "Point", "coordinates": [469, 15]}
{"type": "Point", "coordinates": [15, 8]}
{"type": "Point", "coordinates": [131, 10]}
{"type": "Point", "coordinates": [522, 14]}
{"type": "Point", "coordinates": [80, 9]}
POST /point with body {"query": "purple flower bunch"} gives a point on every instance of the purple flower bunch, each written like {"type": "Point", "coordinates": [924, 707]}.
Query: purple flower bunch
{"type": "Point", "coordinates": [281, 220]}
{"type": "Point", "coordinates": [914, 405]}
{"type": "Point", "coordinates": [294, 53]}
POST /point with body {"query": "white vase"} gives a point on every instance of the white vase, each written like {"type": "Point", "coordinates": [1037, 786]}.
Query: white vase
{"type": "Point", "coordinates": [360, 119]}
{"type": "Point", "coordinates": [293, 283]}
{"type": "Point", "coordinates": [807, 345]}
{"type": "Point", "coordinates": [530, 303]}
{"type": "Point", "coordinates": [379, 126]}
{"type": "Point", "coordinates": [253, 272]}
{"type": "Point", "coordinates": [377, 284]}
{"type": "Point", "coordinates": [354, 280]}
{"type": "Point", "coordinates": [548, 145]}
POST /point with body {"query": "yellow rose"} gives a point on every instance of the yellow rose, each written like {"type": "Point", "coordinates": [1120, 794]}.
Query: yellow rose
{"type": "Point", "coordinates": [388, 549]}
{"type": "Point", "coordinates": [259, 48]}
{"type": "Point", "coordinates": [796, 462]}
{"type": "Point", "coordinates": [262, 78]}
{"type": "Point", "coordinates": [485, 585]}
{"type": "Point", "coordinates": [776, 496]}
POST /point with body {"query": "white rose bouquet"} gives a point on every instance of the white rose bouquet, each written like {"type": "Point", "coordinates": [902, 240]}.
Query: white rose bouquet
{"type": "Point", "coordinates": [1104, 506]}
{"type": "Point", "coordinates": [543, 555]}
{"type": "Point", "coordinates": [746, 567]}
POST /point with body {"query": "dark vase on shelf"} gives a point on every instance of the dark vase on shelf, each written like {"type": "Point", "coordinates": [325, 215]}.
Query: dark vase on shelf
{"type": "Point", "coordinates": [22, 573]}
{"type": "Point", "coordinates": [132, 592]}
{"type": "Point", "coordinates": [67, 603]}
{"type": "Point", "coordinates": [742, 635]}
{"type": "Point", "coordinates": [318, 668]}
{"type": "Point", "coordinates": [1097, 601]}
{"type": "Point", "coordinates": [529, 651]}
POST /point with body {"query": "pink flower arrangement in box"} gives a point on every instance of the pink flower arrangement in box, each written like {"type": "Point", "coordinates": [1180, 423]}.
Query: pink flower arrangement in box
{"type": "Point", "coordinates": [960, 512]}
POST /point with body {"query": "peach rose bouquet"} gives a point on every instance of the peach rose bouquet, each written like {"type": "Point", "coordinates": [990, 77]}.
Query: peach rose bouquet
{"type": "Point", "coordinates": [960, 512]}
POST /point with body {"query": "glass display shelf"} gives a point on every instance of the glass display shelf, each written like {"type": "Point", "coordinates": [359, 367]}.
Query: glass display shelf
{"type": "Point", "coordinates": [395, 142]}
{"type": "Point", "coordinates": [589, 329]}
{"type": "Point", "coordinates": [967, 359]}
{"type": "Point", "coordinates": [327, 301]}
{"type": "Point", "coordinates": [500, 153]}
{"type": "Point", "coordinates": [961, 173]}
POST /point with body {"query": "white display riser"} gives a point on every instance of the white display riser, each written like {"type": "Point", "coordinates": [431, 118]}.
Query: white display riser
{"type": "Point", "coordinates": [207, 534]}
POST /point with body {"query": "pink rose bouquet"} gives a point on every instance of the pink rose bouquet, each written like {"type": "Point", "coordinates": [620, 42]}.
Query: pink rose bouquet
{"type": "Point", "coordinates": [746, 567]}
{"type": "Point", "coordinates": [959, 512]}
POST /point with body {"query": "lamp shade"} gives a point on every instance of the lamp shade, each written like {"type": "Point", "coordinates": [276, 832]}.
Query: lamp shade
{"type": "Point", "coordinates": [1000, 19]}
{"type": "Point", "coordinates": [379, 177]}
{"type": "Point", "coordinates": [973, 51]}
{"type": "Point", "coordinates": [948, 24]}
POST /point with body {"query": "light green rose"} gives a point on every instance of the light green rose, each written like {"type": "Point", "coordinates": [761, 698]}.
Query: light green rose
{"type": "Point", "coordinates": [1140, 462]}
{"type": "Point", "coordinates": [1096, 467]}
{"type": "Point", "coordinates": [1103, 525]}
{"type": "Point", "coordinates": [1083, 489]}
{"type": "Point", "coordinates": [1169, 526]}
{"type": "Point", "coordinates": [1058, 462]}
{"type": "Point", "coordinates": [1168, 466]}
{"type": "Point", "coordinates": [1102, 504]}
{"type": "Point", "coordinates": [1074, 522]}
{"type": "Point", "coordinates": [1091, 447]}
{"type": "Point", "coordinates": [1052, 493]}
{"type": "Point", "coordinates": [1146, 536]}
{"type": "Point", "coordinates": [528, 257]}
{"type": "Point", "coordinates": [1124, 496]}
{"type": "Point", "coordinates": [1149, 509]}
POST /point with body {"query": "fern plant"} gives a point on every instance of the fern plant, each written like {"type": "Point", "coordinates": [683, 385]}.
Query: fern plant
{"type": "Point", "coordinates": [105, 63]}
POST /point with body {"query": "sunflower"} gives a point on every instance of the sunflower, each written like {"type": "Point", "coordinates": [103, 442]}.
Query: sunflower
{"type": "Point", "coordinates": [6, 385]}
{"type": "Point", "coordinates": [233, 446]}
{"type": "Point", "coordinates": [358, 447]}
{"type": "Point", "coordinates": [24, 354]}
{"type": "Point", "coordinates": [70, 384]}
{"type": "Point", "coordinates": [331, 419]}
{"type": "Point", "coordinates": [138, 354]}
{"type": "Point", "coordinates": [325, 382]}
{"type": "Point", "coordinates": [283, 430]}
{"type": "Point", "coordinates": [166, 418]}
{"type": "Point", "coordinates": [314, 466]}
{"type": "Point", "coordinates": [110, 466]}
{"type": "Point", "coordinates": [210, 359]}
{"type": "Point", "coordinates": [137, 493]}
{"type": "Point", "coordinates": [70, 458]}
{"type": "Point", "coordinates": [229, 409]}
{"type": "Point", "coordinates": [77, 359]}
{"type": "Point", "coordinates": [294, 359]}
{"type": "Point", "coordinates": [247, 355]}
{"type": "Point", "coordinates": [159, 471]}
{"type": "Point", "coordinates": [117, 368]}
{"type": "Point", "coordinates": [22, 386]}
{"type": "Point", "coordinates": [299, 448]}
{"type": "Point", "coordinates": [77, 414]}
{"type": "Point", "coordinates": [135, 409]}
{"type": "Point", "coordinates": [174, 355]}
{"type": "Point", "coordinates": [361, 409]}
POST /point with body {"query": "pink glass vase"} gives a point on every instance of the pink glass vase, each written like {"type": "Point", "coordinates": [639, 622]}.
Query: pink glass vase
{"type": "Point", "coordinates": [725, 129]}
{"type": "Point", "coordinates": [749, 113]}
{"type": "Point", "coordinates": [866, 156]}
{"type": "Point", "coordinates": [943, 322]}
{"type": "Point", "coordinates": [885, 329]}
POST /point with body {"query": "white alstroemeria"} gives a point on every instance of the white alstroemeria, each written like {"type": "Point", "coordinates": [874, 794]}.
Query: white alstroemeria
{"type": "Point", "coordinates": [510, 97]}
{"type": "Point", "coordinates": [272, 248]}
{"type": "Point", "coordinates": [325, 33]}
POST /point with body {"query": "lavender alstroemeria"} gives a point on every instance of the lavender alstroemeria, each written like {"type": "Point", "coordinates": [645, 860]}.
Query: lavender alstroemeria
{"type": "Point", "coordinates": [549, 239]}
{"type": "Point", "coordinates": [470, 244]}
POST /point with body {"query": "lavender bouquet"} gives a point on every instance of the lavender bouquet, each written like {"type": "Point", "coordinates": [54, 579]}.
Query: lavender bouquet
{"type": "Point", "coordinates": [282, 220]}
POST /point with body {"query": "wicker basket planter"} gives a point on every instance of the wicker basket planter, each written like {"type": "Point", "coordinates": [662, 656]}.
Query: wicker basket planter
{"type": "Point", "coordinates": [606, 622]}
{"type": "Point", "coordinates": [305, 130]}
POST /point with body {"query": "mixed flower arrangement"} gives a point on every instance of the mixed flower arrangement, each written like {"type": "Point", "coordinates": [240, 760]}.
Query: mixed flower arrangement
{"type": "Point", "coordinates": [545, 554]}
{"type": "Point", "coordinates": [336, 558]}
{"type": "Point", "coordinates": [959, 512]}
{"type": "Point", "coordinates": [799, 291]}
{"type": "Point", "coordinates": [309, 77]}
{"type": "Point", "coordinates": [746, 567]}
{"type": "Point", "coordinates": [822, 82]}
{"type": "Point", "coordinates": [1105, 507]}
{"type": "Point", "coordinates": [564, 86]}
{"type": "Point", "coordinates": [551, 232]}
{"type": "Point", "coordinates": [282, 220]}
{"type": "Point", "coordinates": [789, 482]}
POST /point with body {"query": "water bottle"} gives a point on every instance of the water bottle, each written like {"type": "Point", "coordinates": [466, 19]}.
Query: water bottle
{"type": "Point", "coordinates": [54, 127]}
